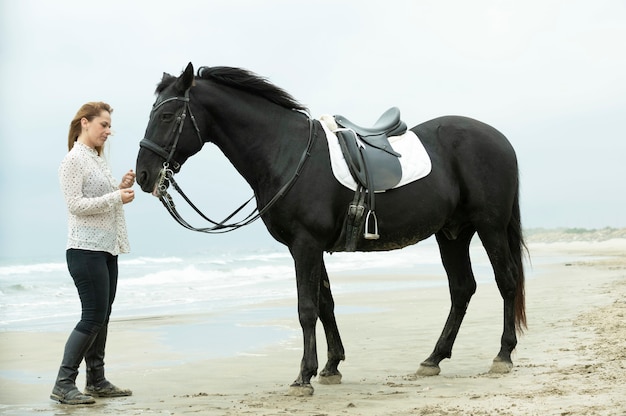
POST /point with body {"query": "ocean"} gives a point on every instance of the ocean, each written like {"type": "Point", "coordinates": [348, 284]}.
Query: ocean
{"type": "Point", "coordinates": [41, 296]}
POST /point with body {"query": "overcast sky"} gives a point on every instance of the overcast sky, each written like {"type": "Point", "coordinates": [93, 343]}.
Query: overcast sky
{"type": "Point", "coordinates": [548, 74]}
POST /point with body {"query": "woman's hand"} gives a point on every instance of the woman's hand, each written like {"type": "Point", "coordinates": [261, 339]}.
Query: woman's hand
{"type": "Point", "coordinates": [128, 180]}
{"type": "Point", "coordinates": [127, 195]}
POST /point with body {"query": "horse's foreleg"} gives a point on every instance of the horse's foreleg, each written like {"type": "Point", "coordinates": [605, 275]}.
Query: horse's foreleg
{"type": "Point", "coordinates": [308, 273]}
{"type": "Point", "coordinates": [330, 374]}
{"type": "Point", "coordinates": [456, 261]}
{"type": "Point", "coordinates": [497, 248]}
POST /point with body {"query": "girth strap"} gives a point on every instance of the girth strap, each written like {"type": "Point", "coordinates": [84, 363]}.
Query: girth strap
{"type": "Point", "coordinates": [354, 221]}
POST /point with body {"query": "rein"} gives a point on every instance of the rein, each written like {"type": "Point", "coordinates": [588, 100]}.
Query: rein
{"type": "Point", "coordinates": [166, 176]}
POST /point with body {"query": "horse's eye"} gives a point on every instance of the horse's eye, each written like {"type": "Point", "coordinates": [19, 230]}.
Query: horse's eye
{"type": "Point", "coordinates": [167, 117]}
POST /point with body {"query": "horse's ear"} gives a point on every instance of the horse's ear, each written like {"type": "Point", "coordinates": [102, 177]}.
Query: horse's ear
{"type": "Point", "coordinates": [165, 76]}
{"type": "Point", "coordinates": [185, 81]}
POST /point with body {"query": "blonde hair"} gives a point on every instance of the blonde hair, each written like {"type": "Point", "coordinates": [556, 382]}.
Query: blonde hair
{"type": "Point", "coordinates": [89, 111]}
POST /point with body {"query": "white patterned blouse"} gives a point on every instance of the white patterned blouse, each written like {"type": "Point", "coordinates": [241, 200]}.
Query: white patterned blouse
{"type": "Point", "coordinates": [94, 202]}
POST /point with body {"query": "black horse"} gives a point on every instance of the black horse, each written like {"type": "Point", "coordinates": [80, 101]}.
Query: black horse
{"type": "Point", "coordinates": [283, 155]}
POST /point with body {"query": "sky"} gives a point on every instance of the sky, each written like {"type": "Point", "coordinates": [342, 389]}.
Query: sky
{"type": "Point", "coordinates": [546, 73]}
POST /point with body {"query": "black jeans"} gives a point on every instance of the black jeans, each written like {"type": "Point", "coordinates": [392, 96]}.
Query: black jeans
{"type": "Point", "coordinates": [95, 277]}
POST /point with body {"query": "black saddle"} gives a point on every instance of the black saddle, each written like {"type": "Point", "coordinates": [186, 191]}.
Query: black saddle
{"type": "Point", "coordinates": [374, 165]}
{"type": "Point", "coordinates": [371, 159]}
{"type": "Point", "coordinates": [389, 125]}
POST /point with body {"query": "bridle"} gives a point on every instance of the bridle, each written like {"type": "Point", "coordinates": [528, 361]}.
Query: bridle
{"type": "Point", "coordinates": [181, 115]}
{"type": "Point", "coordinates": [166, 174]}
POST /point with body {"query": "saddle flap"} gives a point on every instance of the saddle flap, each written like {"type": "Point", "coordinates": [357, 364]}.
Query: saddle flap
{"type": "Point", "coordinates": [374, 168]}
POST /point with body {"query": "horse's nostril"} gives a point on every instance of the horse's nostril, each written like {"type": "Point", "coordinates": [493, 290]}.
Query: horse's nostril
{"type": "Point", "coordinates": [141, 178]}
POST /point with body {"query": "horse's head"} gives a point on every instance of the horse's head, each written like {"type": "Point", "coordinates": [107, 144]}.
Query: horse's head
{"type": "Point", "coordinates": [172, 134]}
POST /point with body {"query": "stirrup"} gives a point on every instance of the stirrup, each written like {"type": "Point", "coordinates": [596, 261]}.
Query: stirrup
{"type": "Point", "coordinates": [367, 235]}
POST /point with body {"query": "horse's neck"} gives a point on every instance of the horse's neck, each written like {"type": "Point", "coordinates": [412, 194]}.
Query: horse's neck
{"type": "Point", "coordinates": [264, 146]}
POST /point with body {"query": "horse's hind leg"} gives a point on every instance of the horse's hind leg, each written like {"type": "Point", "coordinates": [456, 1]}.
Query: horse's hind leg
{"type": "Point", "coordinates": [500, 255]}
{"type": "Point", "coordinates": [330, 374]}
{"type": "Point", "coordinates": [456, 261]}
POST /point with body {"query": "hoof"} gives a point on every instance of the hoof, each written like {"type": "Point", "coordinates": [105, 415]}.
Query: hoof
{"type": "Point", "coordinates": [330, 379]}
{"type": "Point", "coordinates": [500, 366]}
{"type": "Point", "coordinates": [300, 390]}
{"type": "Point", "coordinates": [428, 370]}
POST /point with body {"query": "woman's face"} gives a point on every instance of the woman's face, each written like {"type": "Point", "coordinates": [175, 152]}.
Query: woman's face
{"type": "Point", "coordinates": [98, 129]}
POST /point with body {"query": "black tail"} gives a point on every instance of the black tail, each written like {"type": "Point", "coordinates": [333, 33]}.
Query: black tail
{"type": "Point", "coordinates": [518, 247]}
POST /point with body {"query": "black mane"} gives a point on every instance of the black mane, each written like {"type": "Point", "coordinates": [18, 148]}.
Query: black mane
{"type": "Point", "coordinates": [164, 83]}
{"type": "Point", "coordinates": [248, 81]}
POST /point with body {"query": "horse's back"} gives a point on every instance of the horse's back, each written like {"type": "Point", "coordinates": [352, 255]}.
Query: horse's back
{"type": "Point", "coordinates": [463, 133]}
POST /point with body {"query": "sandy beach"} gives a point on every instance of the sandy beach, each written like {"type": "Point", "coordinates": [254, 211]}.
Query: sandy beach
{"type": "Point", "coordinates": [570, 361]}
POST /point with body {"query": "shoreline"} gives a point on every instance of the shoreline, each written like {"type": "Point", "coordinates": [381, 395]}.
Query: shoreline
{"type": "Point", "coordinates": [564, 363]}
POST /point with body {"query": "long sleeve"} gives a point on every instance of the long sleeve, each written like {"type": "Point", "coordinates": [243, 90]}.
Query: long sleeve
{"type": "Point", "coordinates": [73, 175]}
{"type": "Point", "coordinates": [94, 203]}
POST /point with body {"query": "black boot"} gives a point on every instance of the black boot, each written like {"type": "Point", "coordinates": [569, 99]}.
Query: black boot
{"type": "Point", "coordinates": [65, 390]}
{"type": "Point", "coordinates": [97, 384]}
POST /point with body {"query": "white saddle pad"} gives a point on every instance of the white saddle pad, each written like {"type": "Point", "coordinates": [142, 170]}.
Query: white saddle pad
{"type": "Point", "coordinates": [415, 162]}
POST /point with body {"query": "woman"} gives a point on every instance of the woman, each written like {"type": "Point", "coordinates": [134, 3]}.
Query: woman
{"type": "Point", "coordinates": [96, 235]}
